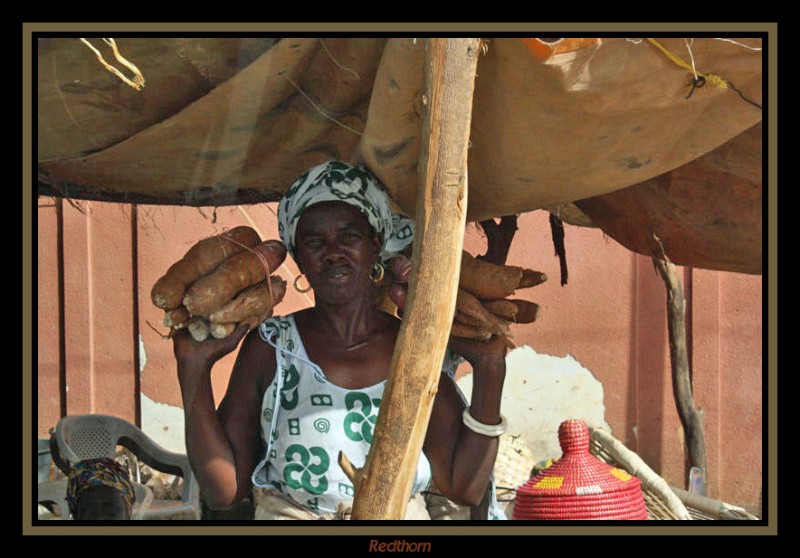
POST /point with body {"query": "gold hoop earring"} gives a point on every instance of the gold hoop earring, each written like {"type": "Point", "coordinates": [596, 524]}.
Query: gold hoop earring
{"type": "Point", "coordinates": [298, 289]}
{"type": "Point", "coordinates": [378, 272]}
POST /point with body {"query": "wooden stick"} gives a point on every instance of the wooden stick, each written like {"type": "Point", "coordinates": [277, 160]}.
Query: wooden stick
{"type": "Point", "coordinates": [391, 465]}
{"type": "Point", "coordinates": [351, 471]}
{"type": "Point", "coordinates": [690, 414]}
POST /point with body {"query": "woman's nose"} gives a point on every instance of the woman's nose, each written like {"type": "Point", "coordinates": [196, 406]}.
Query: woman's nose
{"type": "Point", "coordinates": [333, 251]}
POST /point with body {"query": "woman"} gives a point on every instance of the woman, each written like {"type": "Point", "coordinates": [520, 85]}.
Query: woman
{"type": "Point", "coordinates": [308, 385]}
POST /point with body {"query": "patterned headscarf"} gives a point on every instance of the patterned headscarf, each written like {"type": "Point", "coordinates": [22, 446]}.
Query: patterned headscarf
{"type": "Point", "coordinates": [102, 471]}
{"type": "Point", "coordinates": [353, 184]}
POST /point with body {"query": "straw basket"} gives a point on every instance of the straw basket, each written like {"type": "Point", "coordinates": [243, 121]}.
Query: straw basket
{"type": "Point", "coordinates": [512, 469]}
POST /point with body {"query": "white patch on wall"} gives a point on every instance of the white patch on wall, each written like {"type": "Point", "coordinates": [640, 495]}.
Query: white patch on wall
{"type": "Point", "coordinates": [164, 424]}
{"type": "Point", "coordinates": [142, 354]}
{"type": "Point", "coordinates": [542, 391]}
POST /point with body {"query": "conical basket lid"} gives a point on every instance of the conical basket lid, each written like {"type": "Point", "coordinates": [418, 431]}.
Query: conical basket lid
{"type": "Point", "coordinates": [579, 485]}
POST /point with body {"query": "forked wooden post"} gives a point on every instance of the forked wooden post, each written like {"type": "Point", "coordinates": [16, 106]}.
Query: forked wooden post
{"type": "Point", "coordinates": [388, 475]}
{"type": "Point", "coordinates": [690, 414]}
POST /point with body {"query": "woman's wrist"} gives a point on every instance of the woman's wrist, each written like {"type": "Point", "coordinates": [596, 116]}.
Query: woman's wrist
{"type": "Point", "coordinates": [493, 428]}
{"type": "Point", "coordinates": [193, 370]}
{"type": "Point", "coordinates": [489, 373]}
{"type": "Point", "coordinates": [489, 362]}
{"type": "Point", "coordinates": [481, 355]}
{"type": "Point", "coordinates": [487, 413]}
{"type": "Point", "coordinates": [487, 392]}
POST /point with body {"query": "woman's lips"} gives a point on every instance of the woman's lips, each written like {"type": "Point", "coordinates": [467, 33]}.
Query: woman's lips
{"type": "Point", "coordinates": [337, 274]}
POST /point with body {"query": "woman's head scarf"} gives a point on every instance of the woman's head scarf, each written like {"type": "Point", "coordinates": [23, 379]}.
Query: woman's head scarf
{"type": "Point", "coordinates": [353, 184]}
{"type": "Point", "coordinates": [102, 471]}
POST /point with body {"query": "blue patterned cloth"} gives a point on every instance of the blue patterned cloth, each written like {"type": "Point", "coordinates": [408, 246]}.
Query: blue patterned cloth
{"type": "Point", "coordinates": [102, 471]}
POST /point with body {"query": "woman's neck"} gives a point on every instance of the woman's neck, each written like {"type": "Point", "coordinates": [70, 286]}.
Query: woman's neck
{"type": "Point", "coordinates": [348, 324]}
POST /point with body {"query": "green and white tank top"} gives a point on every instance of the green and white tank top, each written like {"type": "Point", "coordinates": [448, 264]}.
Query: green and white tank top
{"type": "Point", "coordinates": [306, 421]}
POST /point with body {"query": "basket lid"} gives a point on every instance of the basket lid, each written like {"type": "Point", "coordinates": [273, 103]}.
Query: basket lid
{"type": "Point", "coordinates": [579, 485]}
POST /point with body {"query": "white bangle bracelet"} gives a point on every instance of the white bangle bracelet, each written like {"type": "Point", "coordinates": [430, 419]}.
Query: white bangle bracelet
{"type": "Point", "coordinates": [492, 430]}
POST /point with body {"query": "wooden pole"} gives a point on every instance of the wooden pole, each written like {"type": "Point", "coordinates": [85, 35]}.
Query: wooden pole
{"type": "Point", "coordinates": [690, 414]}
{"type": "Point", "coordinates": [390, 469]}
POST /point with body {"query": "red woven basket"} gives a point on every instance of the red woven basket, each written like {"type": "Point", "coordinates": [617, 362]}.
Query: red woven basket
{"type": "Point", "coordinates": [580, 486]}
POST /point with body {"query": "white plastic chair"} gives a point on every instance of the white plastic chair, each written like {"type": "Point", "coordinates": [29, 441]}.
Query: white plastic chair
{"type": "Point", "coordinates": [80, 437]}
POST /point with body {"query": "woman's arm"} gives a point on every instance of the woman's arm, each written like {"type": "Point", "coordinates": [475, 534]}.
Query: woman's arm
{"type": "Point", "coordinates": [462, 460]}
{"type": "Point", "coordinates": [223, 444]}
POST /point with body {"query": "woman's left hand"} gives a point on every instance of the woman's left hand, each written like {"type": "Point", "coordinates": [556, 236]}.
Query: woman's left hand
{"type": "Point", "coordinates": [201, 355]}
{"type": "Point", "coordinates": [480, 354]}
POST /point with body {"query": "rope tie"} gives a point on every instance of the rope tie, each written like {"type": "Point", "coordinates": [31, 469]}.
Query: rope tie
{"type": "Point", "coordinates": [712, 79]}
{"type": "Point", "coordinates": [700, 79]}
{"type": "Point", "coordinates": [262, 258]}
{"type": "Point", "coordinates": [138, 79]}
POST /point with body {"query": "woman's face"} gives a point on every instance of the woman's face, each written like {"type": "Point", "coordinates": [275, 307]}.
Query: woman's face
{"type": "Point", "coordinates": [336, 248]}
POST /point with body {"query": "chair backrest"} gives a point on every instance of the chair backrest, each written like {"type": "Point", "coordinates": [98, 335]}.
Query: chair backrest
{"type": "Point", "coordinates": [80, 437]}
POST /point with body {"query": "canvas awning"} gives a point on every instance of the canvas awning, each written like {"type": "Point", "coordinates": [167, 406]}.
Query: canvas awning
{"type": "Point", "coordinates": [234, 120]}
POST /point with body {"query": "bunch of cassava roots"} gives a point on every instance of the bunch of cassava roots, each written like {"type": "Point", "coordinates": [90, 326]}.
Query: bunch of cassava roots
{"type": "Point", "coordinates": [220, 282]}
{"type": "Point", "coordinates": [484, 306]}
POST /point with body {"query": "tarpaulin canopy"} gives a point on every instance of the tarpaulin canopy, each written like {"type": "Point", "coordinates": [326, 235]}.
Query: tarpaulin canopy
{"type": "Point", "coordinates": [218, 121]}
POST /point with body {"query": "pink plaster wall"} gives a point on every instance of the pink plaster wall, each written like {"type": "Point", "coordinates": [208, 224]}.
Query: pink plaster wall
{"type": "Point", "coordinates": [48, 318]}
{"type": "Point", "coordinates": [97, 339]}
{"type": "Point", "coordinates": [610, 316]}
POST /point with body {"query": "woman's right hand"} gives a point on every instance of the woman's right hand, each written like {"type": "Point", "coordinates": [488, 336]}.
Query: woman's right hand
{"type": "Point", "coordinates": [193, 355]}
{"type": "Point", "coordinates": [400, 275]}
